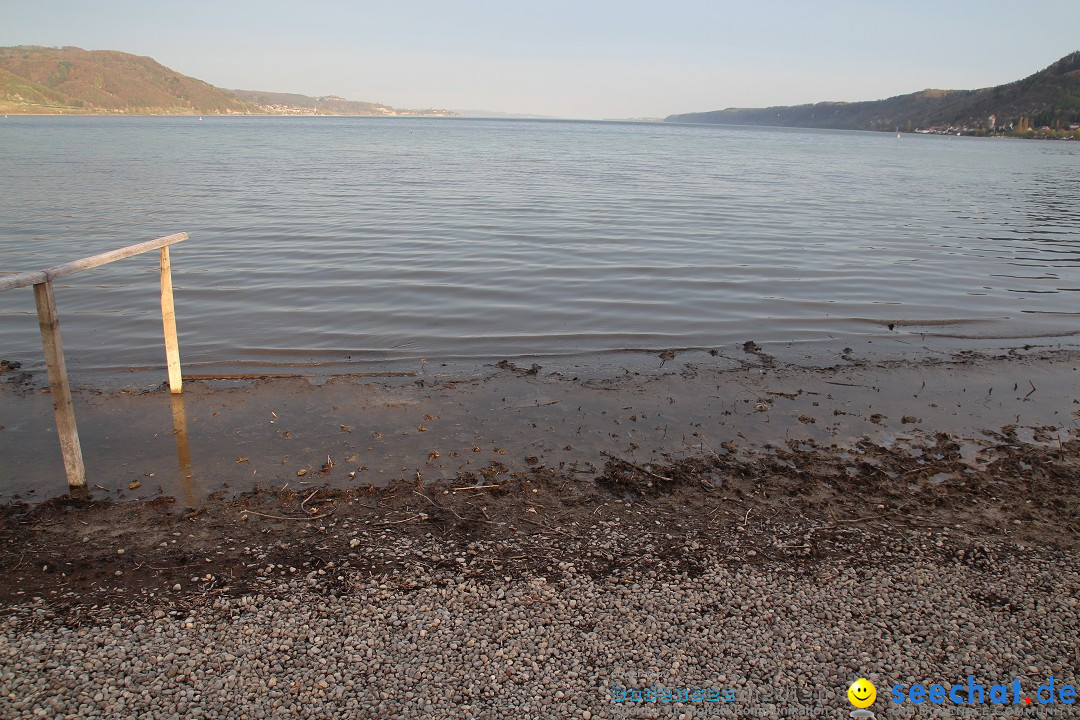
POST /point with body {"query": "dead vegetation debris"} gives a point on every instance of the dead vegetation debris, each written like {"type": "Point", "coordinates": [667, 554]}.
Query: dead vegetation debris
{"type": "Point", "coordinates": [797, 503]}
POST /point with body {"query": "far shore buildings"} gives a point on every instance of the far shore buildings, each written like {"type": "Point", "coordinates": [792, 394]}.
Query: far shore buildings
{"type": "Point", "coordinates": [1069, 132]}
{"type": "Point", "coordinates": [373, 111]}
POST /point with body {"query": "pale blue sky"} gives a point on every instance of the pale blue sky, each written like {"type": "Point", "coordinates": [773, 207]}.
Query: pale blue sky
{"type": "Point", "coordinates": [583, 58]}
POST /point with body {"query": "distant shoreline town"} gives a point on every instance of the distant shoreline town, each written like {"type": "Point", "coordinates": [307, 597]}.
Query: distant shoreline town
{"type": "Point", "coordinates": [1021, 130]}
{"type": "Point", "coordinates": [387, 112]}
{"type": "Point", "coordinates": [1045, 105]}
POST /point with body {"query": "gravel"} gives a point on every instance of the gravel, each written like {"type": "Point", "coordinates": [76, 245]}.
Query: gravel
{"type": "Point", "coordinates": [453, 640]}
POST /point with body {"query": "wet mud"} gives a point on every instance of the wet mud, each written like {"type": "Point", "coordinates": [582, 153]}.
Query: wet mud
{"type": "Point", "coordinates": [235, 484]}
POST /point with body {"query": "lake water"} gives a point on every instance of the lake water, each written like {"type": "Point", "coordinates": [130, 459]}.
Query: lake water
{"type": "Point", "coordinates": [382, 241]}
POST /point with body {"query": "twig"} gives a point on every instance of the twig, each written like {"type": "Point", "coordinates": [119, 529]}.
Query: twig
{"type": "Point", "coordinates": [540, 524]}
{"type": "Point", "coordinates": [420, 516]}
{"type": "Point", "coordinates": [902, 535]}
{"type": "Point", "coordinates": [427, 498]}
{"type": "Point", "coordinates": [875, 517]}
{"type": "Point", "coordinates": [476, 487]}
{"type": "Point", "coordinates": [281, 517]}
{"type": "Point", "coordinates": [637, 467]}
{"type": "Point", "coordinates": [313, 492]}
{"type": "Point", "coordinates": [174, 567]}
{"type": "Point", "coordinates": [706, 445]}
{"type": "Point", "coordinates": [437, 505]}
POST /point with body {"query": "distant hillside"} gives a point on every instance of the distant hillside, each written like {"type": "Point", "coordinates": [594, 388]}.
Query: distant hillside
{"type": "Point", "coordinates": [71, 80]}
{"type": "Point", "coordinates": [40, 79]}
{"type": "Point", "coordinates": [1050, 98]}
{"type": "Point", "coordinates": [330, 104]}
{"type": "Point", "coordinates": [293, 104]}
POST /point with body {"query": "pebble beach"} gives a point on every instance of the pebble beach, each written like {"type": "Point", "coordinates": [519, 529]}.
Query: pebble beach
{"type": "Point", "coordinates": [440, 644]}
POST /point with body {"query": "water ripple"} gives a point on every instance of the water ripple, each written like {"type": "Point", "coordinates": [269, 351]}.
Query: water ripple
{"type": "Point", "coordinates": [392, 239]}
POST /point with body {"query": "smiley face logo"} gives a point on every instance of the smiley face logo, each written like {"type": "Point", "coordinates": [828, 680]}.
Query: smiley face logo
{"type": "Point", "coordinates": [862, 693]}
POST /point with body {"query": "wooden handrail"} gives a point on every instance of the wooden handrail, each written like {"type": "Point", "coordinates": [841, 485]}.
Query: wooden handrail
{"type": "Point", "coordinates": [35, 277]}
{"type": "Point", "coordinates": [49, 324]}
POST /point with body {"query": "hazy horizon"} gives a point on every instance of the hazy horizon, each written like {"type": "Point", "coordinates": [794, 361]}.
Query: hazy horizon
{"type": "Point", "coordinates": [592, 60]}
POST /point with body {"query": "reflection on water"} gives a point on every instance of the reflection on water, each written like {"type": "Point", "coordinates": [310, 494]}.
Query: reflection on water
{"type": "Point", "coordinates": [338, 240]}
{"type": "Point", "coordinates": [186, 479]}
{"type": "Point", "coordinates": [279, 434]}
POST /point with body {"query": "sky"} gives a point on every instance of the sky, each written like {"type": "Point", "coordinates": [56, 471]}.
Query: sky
{"type": "Point", "coordinates": [578, 59]}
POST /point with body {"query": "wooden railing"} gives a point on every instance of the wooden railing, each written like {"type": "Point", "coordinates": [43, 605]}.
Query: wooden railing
{"type": "Point", "coordinates": [41, 280]}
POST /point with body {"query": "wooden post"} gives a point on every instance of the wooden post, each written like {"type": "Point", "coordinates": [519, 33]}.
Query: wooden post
{"type": "Point", "coordinates": [54, 349]}
{"type": "Point", "coordinates": [58, 383]}
{"type": "Point", "coordinates": [168, 319]}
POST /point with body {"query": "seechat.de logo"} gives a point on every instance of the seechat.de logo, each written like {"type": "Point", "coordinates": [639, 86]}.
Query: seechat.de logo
{"type": "Point", "coordinates": [862, 695]}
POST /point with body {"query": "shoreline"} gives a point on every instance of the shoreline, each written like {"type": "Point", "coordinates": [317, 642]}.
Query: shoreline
{"type": "Point", "coordinates": [913, 432]}
{"type": "Point", "coordinates": [443, 423]}
{"type": "Point", "coordinates": [1064, 135]}
{"type": "Point", "coordinates": [799, 504]}
{"type": "Point", "coordinates": [903, 522]}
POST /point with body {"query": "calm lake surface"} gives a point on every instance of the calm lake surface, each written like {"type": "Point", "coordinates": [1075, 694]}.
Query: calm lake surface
{"type": "Point", "coordinates": [384, 241]}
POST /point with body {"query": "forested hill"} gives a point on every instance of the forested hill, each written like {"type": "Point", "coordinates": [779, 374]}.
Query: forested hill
{"type": "Point", "coordinates": [41, 80]}
{"type": "Point", "coordinates": [72, 80]}
{"type": "Point", "coordinates": [1049, 98]}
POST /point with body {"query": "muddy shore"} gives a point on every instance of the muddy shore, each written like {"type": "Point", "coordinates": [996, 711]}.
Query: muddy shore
{"type": "Point", "coordinates": [979, 447]}
{"type": "Point", "coordinates": [798, 505]}
{"type": "Point", "coordinates": [878, 519]}
{"type": "Point", "coordinates": [443, 423]}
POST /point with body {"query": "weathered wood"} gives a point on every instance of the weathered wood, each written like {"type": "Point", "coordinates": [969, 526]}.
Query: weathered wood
{"type": "Point", "coordinates": [168, 319]}
{"type": "Point", "coordinates": [36, 277]}
{"type": "Point", "coordinates": [66, 429]}
{"type": "Point", "coordinates": [58, 384]}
